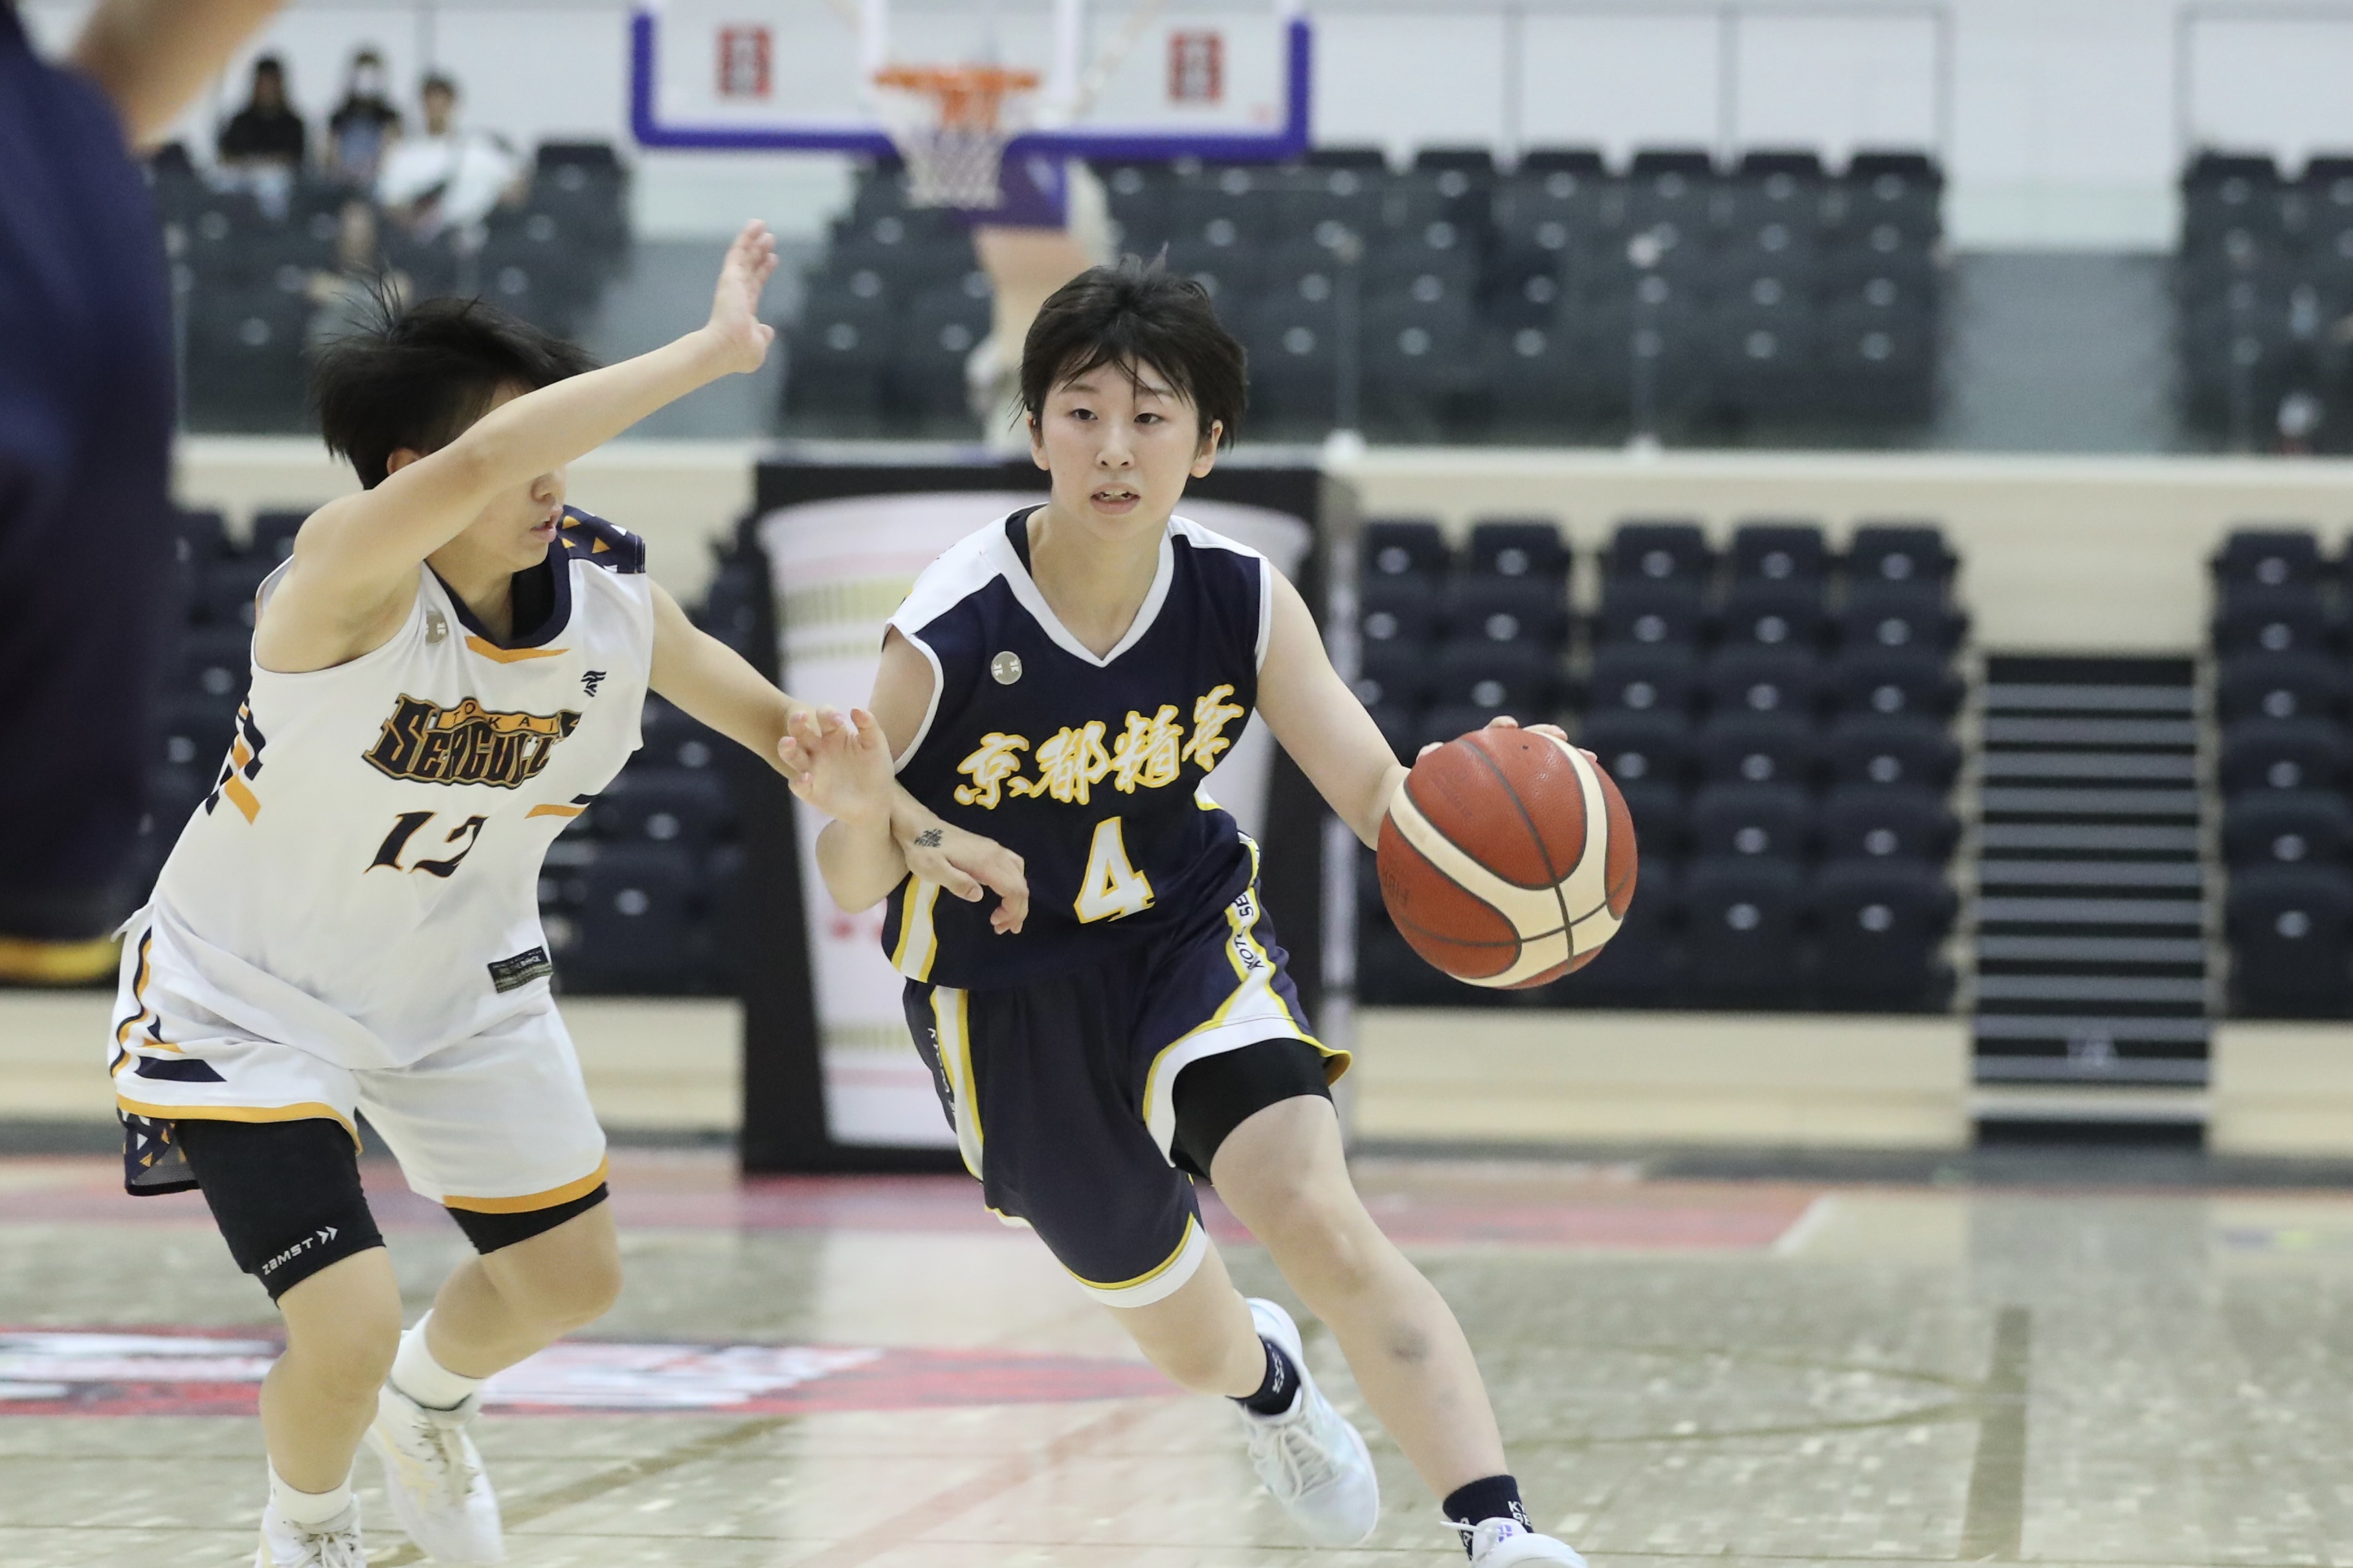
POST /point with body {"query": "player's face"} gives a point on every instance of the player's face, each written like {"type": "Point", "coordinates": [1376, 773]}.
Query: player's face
{"type": "Point", "coordinates": [517, 528]}
{"type": "Point", "coordinates": [1121, 446]}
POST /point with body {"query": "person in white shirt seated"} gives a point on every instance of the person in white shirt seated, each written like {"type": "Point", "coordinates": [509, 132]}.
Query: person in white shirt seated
{"type": "Point", "coordinates": [447, 178]}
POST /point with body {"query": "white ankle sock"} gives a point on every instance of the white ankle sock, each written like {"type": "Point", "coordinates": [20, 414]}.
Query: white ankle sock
{"type": "Point", "coordinates": [307, 1508]}
{"type": "Point", "coordinates": [416, 1373]}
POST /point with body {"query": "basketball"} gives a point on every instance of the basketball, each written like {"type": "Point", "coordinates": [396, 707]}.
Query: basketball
{"type": "Point", "coordinates": [1508, 858]}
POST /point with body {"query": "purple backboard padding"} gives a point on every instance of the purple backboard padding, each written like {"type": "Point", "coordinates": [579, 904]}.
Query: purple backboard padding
{"type": "Point", "coordinates": [1289, 142]}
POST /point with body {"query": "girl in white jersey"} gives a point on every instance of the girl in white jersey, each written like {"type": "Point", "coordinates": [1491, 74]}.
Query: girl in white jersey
{"type": "Point", "coordinates": [449, 667]}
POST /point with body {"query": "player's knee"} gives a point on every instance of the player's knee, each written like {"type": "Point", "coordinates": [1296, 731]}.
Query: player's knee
{"type": "Point", "coordinates": [565, 1290]}
{"type": "Point", "coordinates": [1326, 1244]}
{"type": "Point", "coordinates": [346, 1356]}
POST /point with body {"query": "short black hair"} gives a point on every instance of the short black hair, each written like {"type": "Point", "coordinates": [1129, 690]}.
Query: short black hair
{"type": "Point", "coordinates": [416, 375]}
{"type": "Point", "coordinates": [1138, 313]}
{"type": "Point", "coordinates": [437, 82]}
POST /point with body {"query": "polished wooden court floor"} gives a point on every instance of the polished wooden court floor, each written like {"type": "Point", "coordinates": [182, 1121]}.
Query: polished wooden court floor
{"type": "Point", "coordinates": [875, 1375]}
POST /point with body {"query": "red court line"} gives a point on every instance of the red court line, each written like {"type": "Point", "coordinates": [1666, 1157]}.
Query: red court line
{"type": "Point", "coordinates": [658, 1195]}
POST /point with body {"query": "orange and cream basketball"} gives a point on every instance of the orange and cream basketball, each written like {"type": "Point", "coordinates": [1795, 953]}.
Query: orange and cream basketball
{"type": "Point", "coordinates": [1508, 858]}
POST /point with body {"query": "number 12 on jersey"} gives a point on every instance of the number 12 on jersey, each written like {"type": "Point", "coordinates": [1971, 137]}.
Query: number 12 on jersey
{"type": "Point", "coordinates": [1111, 887]}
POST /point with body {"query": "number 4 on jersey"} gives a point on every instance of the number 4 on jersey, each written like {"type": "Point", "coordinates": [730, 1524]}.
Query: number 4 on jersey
{"type": "Point", "coordinates": [1111, 887]}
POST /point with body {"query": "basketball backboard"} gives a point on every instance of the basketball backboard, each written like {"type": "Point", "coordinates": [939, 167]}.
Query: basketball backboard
{"type": "Point", "coordinates": [1224, 80]}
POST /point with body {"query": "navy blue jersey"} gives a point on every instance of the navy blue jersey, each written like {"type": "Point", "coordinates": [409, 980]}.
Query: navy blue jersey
{"type": "Point", "coordinates": [1087, 768]}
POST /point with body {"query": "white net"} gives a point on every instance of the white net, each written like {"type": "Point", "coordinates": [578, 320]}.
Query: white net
{"type": "Point", "coordinates": [952, 125]}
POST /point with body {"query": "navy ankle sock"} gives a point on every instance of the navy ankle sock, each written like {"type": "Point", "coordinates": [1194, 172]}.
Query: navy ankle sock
{"type": "Point", "coordinates": [1495, 1497]}
{"type": "Point", "coordinates": [1280, 1390]}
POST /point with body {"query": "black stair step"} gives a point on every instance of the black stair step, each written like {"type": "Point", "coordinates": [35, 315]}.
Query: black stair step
{"type": "Point", "coordinates": [2067, 669]}
{"type": "Point", "coordinates": [2101, 838]}
{"type": "Point", "coordinates": [2090, 767]}
{"type": "Point", "coordinates": [2142, 1033]}
{"type": "Point", "coordinates": [2011, 802]}
{"type": "Point", "coordinates": [2089, 952]}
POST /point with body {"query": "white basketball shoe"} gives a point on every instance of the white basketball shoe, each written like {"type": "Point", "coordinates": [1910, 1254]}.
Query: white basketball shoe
{"type": "Point", "coordinates": [1314, 1462]}
{"type": "Point", "coordinates": [1508, 1543]}
{"type": "Point", "coordinates": [435, 1479]}
{"type": "Point", "coordinates": [333, 1544]}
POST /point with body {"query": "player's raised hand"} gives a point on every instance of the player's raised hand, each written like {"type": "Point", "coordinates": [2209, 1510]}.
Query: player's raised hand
{"type": "Point", "coordinates": [735, 325]}
{"type": "Point", "coordinates": [840, 766]}
{"type": "Point", "coordinates": [966, 864]}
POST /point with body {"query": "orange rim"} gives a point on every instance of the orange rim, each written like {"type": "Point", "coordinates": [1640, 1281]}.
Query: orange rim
{"type": "Point", "coordinates": [968, 96]}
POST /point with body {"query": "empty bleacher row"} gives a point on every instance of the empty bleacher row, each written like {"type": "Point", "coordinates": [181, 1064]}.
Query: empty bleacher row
{"type": "Point", "coordinates": [635, 893]}
{"type": "Point", "coordinates": [1453, 300]}
{"type": "Point", "coordinates": [252, 289]}
{"type": "Point", "coordinates": [1776, 718]}
{"type": "Point", "coordinates": [2262, 288]}
{"type": "Point", "coordinates": [2283, 765]}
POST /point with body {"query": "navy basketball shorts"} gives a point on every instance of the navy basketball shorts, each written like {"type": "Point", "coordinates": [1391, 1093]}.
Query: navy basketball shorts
{"type": "Point", "coordinates": [1062, 1091]}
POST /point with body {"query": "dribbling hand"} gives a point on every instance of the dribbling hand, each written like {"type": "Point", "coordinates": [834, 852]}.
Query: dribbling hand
{"type": "Point", "coordinates": [1505, 722]}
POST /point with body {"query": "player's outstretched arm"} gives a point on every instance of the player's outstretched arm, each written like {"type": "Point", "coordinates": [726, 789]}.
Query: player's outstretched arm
{"type": "Point", "coordinates": [848, 778]}
{"type": "Point", "coordinates": [1320, 722]}
{"type": "Point", "coordinates": [153, 57]}
{"type": "Point", "coordinates": [363, 548]}
{"type": "Point", "coordinates": [714, 684]}
{"type": "Point", "coordinates": [857, 873]}
{"type": "Point", "coordinates": [1326, 731]}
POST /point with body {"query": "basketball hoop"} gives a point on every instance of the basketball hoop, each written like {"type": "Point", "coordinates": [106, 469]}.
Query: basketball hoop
{"type": "Point", "coordinates": [952, 125]}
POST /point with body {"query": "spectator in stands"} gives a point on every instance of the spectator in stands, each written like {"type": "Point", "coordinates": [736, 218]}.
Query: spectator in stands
{"type": "Point", "coordinates": [362, 124]}
{"type": "Point", "coordinates": [263, 146]}
{"type": "Point", "coordinates": [447, 179]}
{"type": "Point", "coordinates": [267, 131]}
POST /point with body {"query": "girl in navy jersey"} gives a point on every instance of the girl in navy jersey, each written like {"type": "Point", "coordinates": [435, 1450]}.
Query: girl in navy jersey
{"type": "Point", "coordinates": [1062, 681]}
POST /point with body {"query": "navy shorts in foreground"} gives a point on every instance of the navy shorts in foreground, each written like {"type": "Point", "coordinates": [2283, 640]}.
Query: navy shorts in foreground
{"type": "Point", "coordinates": [1062, 1091]}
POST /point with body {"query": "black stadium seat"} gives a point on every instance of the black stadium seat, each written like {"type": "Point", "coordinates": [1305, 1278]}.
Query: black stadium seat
{"type": "Point", "coordinates": [2290, 619]}
{"type": "Point", "coordinates": [1758, 748]}
{"type": "Point", "coordinates": [1734, 820]}
{"type": "Point", "coordinates": [1643, 677]}
{"type": "Point", "coordinates": [1659, 549]}
{"type": "Point", "coordinates": [1663, 612]}
{"type": "Point", "coordinates": [2287, 827]}
{"type": "Point", "coordinates": [2291, 928]}
{"type": "Point", "coordinates": [2281, 754]}
{"type": "Point", "coordinates": [1893, 680]}
{"type": "Point", "coordinates": [1509, 609]}
{"type": "Point", "coordinates": [2279, 686]}
{"type": "Point", "coordinates": [1654, 747]}
{"type": "Point", "coordinates": [1513, 547]}
{"type": "Point", "coordinates": [1746, 680]}
{"type": "Point", "coordinates": [2269, 557]}
{"type": "Point", "coordinates": [637, 929]}
{"type": "Point", "coordinates": [1773, 613]}
{"type": "Point", "coordinates": [1742, 929]}
{"type": "Point", "coordinates": [1869, 749]}
{"type": "Point", "coordinates": [1881, 925]}
{"type": "Point", "coordinates": [1900, 616]}
{"type": "Point", "coordinates": [1779, 551]}
{"type": "Point", "coordinates": [1866, 822]}
{"type": "Point", "coordinates": [1898, 552]}
{"type": "Point", "coordinates": [1403, 547]}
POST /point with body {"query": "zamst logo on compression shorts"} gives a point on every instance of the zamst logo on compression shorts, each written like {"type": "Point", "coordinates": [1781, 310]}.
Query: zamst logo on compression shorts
{"type": "Point", "coordinates": [466, 744]}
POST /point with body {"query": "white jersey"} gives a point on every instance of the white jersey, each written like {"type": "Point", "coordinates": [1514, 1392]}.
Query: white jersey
{"type": "Point", "coordinates": [363, 882]}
